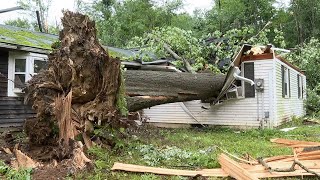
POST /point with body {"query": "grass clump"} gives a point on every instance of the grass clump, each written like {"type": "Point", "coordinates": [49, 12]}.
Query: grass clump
{"type": "Point", "coordinates": [9, 173]}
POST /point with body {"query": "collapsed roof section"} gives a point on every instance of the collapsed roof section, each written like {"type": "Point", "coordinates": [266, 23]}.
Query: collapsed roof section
{"type": "Point", "coordinates": [252, 53]}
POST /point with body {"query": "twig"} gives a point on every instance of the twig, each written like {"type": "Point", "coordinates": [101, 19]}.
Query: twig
{"type": "Point", "coordinates": [290, 169]}
{"type": "Point", "coordinates": [306, 169]}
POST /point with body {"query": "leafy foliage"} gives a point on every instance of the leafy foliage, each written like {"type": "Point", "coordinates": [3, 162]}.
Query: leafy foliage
{"type": "Point", "coordinates": [22, 23]}
{"type": "Point", "coordinates": [211, 52]}
{"type": "Point", "coordinates": [119, 21]}
{"type": "Point", "coordinates": [307, 57]}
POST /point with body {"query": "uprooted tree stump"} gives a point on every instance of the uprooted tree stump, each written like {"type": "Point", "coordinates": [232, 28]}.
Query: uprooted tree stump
{"type": "Point", "coordinates": [79, 88]}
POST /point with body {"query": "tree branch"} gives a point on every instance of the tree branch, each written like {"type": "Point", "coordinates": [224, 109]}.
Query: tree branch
{"type": "Point", "coordinates": [291, 169]}
{"type": "Point", "coordinates": [177, 57]}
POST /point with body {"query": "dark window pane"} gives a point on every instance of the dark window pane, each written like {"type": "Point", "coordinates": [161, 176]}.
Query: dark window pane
{"type": "Point", "coordinates": [249, 73]}
{"type": "Point", "coordinates": [19, 80]}
{"type": "Point", "coordinates": [20, 65]}
{"type": "Point", "coordinates": [38, 65]}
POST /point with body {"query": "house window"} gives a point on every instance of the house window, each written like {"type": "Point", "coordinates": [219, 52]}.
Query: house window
{"type": "Point", "coordinates": [300, 86]}
{"type": "Point", "coordinates": [285, 82]}
{"type": "Point", "coordinates": [39, 64]}
{"type": "Point", "coordinates": [19, 73]}
{"type": "Point", "coordinates": [249, 91]}
{"type": "Point", "coordinates": [22, 66]}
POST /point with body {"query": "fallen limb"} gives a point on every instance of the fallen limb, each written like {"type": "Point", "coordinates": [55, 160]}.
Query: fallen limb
{"type": "Point", "coordinates": [290, 169]}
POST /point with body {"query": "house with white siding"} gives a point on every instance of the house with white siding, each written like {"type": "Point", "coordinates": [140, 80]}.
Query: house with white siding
{"type": "Point", "coordinates": [261, 89]}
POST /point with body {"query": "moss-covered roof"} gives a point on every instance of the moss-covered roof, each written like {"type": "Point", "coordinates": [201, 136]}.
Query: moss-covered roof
{"type": "Point", "coordinates": [23, 37]}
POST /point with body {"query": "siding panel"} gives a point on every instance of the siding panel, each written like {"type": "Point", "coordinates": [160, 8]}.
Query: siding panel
{"type": "Point", "coordinates": [4, 73]}
{"type": "Point", "coordinates": [292, 106]}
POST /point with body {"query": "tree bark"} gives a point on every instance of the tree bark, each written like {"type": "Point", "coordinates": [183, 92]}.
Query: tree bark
{"type": "Point", "coordinates": [149, 88]}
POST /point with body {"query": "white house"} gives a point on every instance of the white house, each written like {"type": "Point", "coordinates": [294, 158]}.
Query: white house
{"type": "Point", "coordinates": [277, 96]}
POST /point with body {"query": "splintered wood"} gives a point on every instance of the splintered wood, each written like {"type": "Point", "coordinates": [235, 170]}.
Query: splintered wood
{"type": "Point", "coordinates": [305, 161]}
{"type": "Point", "coordinates": [63, 114]}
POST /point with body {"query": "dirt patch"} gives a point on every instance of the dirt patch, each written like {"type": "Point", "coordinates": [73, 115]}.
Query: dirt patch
{"type": "Point", "coordinates": [51, 173]}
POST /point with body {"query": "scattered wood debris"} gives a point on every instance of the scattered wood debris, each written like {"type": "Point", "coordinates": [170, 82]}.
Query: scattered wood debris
{"type": "Point", "coordinates": [23, 161]}
{"type": "Point", "coordinates": [305, 161]}
{"type": "Point", "coordinates": [6, 150]}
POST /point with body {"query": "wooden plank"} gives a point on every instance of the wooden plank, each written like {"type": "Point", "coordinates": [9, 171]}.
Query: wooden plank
{"type": "Point", "coordinates": [317, 152]}
{"type": "Point", "coordinates": [294, 143]}
{"type": "Point", "coordinates": [257, 171]}
{"type": "Point", "coordinates": [165, 171]}
{"type": "Point", "coordinates": [16, 116]}
{"type": "Point", "coordinates": [284, 174]}
{"type": "Point", "coordinates": [276, 158]}
{"type": "Point", "coordinates": [12, 121]}
{"type": "Point", "coordinates": [234, 169]}
{"type": "Point", "coordinates": [16, 111]}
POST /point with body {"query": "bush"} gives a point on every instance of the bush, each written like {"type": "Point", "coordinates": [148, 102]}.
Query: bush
{"type": "Point", "coordinates": [313, 102]}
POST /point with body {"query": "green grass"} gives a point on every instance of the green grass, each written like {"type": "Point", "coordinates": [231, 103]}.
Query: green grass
{"type": "Point", "coordinates": [6, 172]}
{"type": "Point", "coordinates": [192, 148]}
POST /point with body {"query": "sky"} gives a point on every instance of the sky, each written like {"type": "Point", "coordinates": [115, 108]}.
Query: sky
{"type": "Point", "coordinates": [58, 5]}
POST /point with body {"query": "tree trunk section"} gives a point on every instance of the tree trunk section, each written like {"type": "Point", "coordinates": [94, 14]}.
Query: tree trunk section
{"type": "Point", "coordinates": [149, 88]}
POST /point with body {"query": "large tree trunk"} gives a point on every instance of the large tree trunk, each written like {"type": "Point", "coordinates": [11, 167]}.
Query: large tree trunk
{"type": "Point", "coordinates": [150, 88]}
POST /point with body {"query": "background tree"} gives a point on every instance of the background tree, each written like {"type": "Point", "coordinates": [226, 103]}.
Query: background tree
{"type": "Point", "coordinates": [19, 22]}
{"type": "Point", "coordinates": [42, 6]}
{"type": "Point", "coordinates": [119, 21]}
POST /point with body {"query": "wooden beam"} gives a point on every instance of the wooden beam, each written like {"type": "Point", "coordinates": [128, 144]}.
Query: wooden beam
{"type": "Point", "coordinates": [165, 171]}
{"type": "Point", "coordinates": [234, 169]}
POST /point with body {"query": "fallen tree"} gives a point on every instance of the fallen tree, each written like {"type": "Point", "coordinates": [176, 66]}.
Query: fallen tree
{"type": "Point", "coordinates": [83, 89]}
{"type": "Point", "coordinates": [149, 88]}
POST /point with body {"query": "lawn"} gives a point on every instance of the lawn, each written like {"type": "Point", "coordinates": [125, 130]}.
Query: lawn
{"type": "Point", "coordinates": [190, 148]}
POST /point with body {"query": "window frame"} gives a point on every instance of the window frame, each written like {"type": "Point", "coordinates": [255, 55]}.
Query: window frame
{"type": "Point", "coordinates": [244, 84]}
{"type": "Point", "coordinates": [29, 71]}
{"type": "Point", "coordinates": [19, 73]}
{"type": "Point", "coordinates": [300, 86]}
{"type": "Point", "coordinates": [285, 77]}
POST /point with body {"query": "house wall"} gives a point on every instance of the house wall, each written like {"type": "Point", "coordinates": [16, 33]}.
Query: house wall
{"type": "Point", "coordinates": [291, 106]}
{"type": "Point", "coordinates": [4, 73]}
{"type": "Point", "coordinates": [12, 110]}
{"type": "Point", "coordinates": [234, 112]}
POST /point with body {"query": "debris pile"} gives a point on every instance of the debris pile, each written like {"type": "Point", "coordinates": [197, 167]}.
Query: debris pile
{"type": "Point", "coordinates": [305, 161]}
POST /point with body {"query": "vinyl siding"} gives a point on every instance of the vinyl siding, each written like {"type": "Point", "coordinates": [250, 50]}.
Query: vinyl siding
{"type": "Point", "coordinates": [234, 112]}
{"type": "Point", "coordinates": [291, 106]}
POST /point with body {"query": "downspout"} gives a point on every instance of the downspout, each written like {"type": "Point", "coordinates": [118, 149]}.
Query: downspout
{"type": "Point", "coordinates": [237, 76]}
